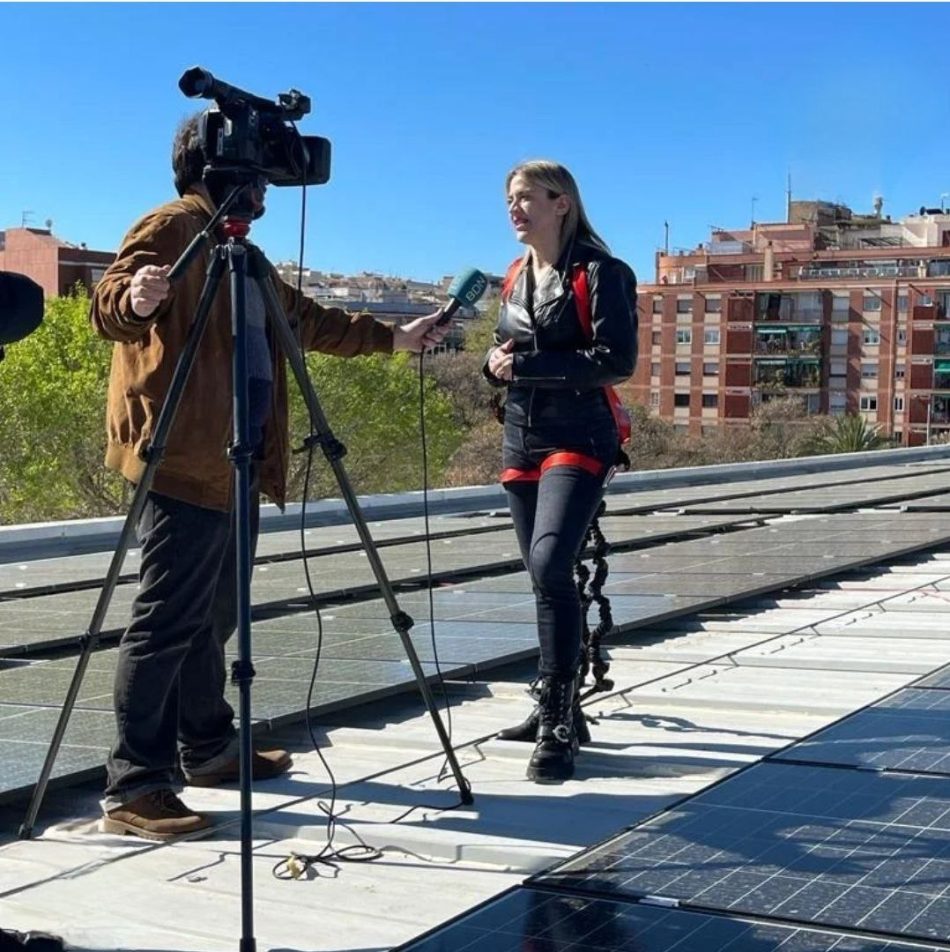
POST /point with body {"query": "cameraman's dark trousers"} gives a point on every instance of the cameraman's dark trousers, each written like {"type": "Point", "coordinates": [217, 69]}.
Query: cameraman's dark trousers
{"type": "Point", "coordinates": [170, 680]}
{"type": "Point", "coordinates": [555, 475]}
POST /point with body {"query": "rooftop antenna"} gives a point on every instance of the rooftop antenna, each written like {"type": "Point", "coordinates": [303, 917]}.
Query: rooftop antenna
{"type": "Point", "coordinates": [755, 198]}
{"type": "Point", "coordinates": [943, 196]}
{"type": "Point", "coordinates": [666, 237]}
{"type": "Point", "coordinates": [25, 216]}
{"type": "Point", "coordinates": [788, 199]}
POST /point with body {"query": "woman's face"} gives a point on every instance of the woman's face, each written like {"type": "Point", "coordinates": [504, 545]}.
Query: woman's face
{"type": "Point", "coordinates": [536, 216]}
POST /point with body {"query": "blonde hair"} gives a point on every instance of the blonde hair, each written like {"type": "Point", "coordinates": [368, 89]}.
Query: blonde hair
{"type": "Point", "coordinates": [552, 176]}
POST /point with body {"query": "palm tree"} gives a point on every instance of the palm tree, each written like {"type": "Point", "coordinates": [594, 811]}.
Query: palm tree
{"type": "Point", "coordinates": [847, 434]}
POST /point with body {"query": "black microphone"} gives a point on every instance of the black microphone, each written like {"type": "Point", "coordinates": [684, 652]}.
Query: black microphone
{"type": "Point", "coordinates": [21, 307]}
{"type": "Point", "coordinates": [465, 289]}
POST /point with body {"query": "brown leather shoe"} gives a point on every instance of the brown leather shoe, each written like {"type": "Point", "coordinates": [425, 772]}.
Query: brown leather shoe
{"type": "Point", "coordinates": [158, 815]}
{"type": "Point", "coordinates": [267, 764]}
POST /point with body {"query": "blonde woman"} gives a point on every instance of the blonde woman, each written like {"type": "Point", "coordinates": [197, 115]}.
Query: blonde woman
{"type": "Point", "coordinates": [566, 333]}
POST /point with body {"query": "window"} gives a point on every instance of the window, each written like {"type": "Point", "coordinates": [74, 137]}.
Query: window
{"type": "Point", "coordinates": [713, 305]}
{"type": "Point", "coordinates": [658, 305]}
{"type": "Point", "coordinates": [657, 338]}
{"type": "Point", "coordinates": [898, 404]}
{"type": "Point", "coordinates": [711, 335]}
{"type": "Point", "coordinates": [901, 335]}
{"type": "Point", "coordinates": [925, 301]}
{"type": "Point", "coordinates": [654, 398]}
{"type": "Point", "coordinates": [902, 303]}
{"type": "Point", "coordinates": [841, 303]}
{"type": "Point", "coordinates": [680, 399]}
{"type": "Point", "coordinates": [872, 336]}
{"type": "Point", "coordinates": [900, 371]}
{"type": "Point", "coordinates": [684, 335]}
{"type": "Point", "coordinates": [837, 403]}
{"type": "Point", "coordinates": [711, 369]}
{"type": "Point", "coordinates": [839, 337]}
{"type": "Point", "coordinates": [868, 371]}
{"type": "Point", "coordinates": [872, 302]}
{"type": "Point", "coordinates": [684, 305]}
{"type": "Point", "coordinates": [868, 402]}
{"type": "Point", "coordinates": [655, 369]}
{"type": "Point", "coordinates": [839, 368]}
{"type": "Point", "coordinates": [710, 399]}
{"type": "Point", "coordinates": [682, 368]}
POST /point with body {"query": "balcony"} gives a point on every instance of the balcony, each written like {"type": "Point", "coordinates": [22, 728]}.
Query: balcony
{"type": "Point", "coordinates": [793, 373]}
{"type": "Point", "coordinates": [791, 339]}
{"type": "Point", "coordinates": [803, 307]}
{"type": "Point", "coordinates": [818, 272]}
{"type": "Point", "coordinates": [942, 340]}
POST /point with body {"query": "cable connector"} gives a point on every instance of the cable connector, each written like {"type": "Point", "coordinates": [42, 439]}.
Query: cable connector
{"type": "Point", "coordinates": [296, 866]}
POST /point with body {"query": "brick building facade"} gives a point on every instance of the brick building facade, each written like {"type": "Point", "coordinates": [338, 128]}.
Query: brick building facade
{"type": "Point", "coordinates": [849, 313]}
{"type": "Point", "coordinates": [54, 264]}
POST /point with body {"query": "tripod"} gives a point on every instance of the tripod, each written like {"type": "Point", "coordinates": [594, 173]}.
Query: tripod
{"type": "Point", "coordinates": [242, 262]}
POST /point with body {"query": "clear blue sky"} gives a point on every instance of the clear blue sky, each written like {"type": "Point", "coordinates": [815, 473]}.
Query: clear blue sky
{"type": "Point", "coordinates": [675, 112]}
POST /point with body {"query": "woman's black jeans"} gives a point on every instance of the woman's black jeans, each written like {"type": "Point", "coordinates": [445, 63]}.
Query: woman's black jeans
{"type": "Point", "coordinates": [170, 679]}
{"type": "Point", "coordinates": [555, 476]}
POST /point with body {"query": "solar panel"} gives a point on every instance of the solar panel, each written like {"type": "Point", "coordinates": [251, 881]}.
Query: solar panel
{"type": "Point", "coordinates": [939, 679]}
{"type": "Point", "coordinates": [530, 920]}
{"type": "Point", "coordinates": [909, 731]}
{"type": "Point", "coordinates": [841, 848]}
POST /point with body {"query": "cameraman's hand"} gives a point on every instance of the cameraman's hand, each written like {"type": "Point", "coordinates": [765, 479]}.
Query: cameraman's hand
{"type": "Point", "coordinates": [149, 288]}
{"type": "Point", "coordinates": [419, 334]}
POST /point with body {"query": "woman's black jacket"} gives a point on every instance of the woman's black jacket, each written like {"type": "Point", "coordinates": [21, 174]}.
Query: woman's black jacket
{"type": "Point", "coordinates": [558, 372]}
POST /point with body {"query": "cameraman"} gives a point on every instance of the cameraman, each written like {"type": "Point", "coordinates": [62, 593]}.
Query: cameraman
{"type": "Point", "coordinates": [170, 680]}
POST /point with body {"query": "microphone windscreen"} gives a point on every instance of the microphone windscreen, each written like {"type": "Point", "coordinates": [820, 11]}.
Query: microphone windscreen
{"type": "Point", "coordinates": [21, 307]}
{"type": "Point", "coordinates": [468, 287]}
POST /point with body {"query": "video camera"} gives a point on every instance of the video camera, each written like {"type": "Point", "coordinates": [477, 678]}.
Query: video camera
{"type": "Point", "coordinates": [243, 132]}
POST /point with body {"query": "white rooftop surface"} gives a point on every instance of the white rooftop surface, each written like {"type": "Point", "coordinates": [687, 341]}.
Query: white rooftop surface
{"type": "Point", "coordinates": [688, 707]}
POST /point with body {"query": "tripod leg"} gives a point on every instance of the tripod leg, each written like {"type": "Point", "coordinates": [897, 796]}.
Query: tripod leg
{"type": "Point", "coordinates": [243, 670]}
{"type": "Point", "coordinates": [334, 451]}
{"type": "Point", "coordinates": [152, 456]}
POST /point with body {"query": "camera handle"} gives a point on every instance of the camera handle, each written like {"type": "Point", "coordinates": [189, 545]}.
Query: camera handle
{"type": "Point", "coordinates": [242, 261]}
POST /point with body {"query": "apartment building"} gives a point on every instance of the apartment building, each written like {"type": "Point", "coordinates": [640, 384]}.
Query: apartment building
{"type": "Point", "coordinates": [56, 265]}
{"type": "Point", "coordinates": [848, 312]}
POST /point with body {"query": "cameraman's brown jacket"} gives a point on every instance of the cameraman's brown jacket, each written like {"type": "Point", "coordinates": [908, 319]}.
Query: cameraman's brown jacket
{"type": "Point", "coordinates": [195, 467]}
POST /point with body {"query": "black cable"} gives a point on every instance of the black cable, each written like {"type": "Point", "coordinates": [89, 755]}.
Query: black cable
{"type": "Point", "coordinates": [425, 517]}
{"type": "Point", "coordinates": [298, 864]}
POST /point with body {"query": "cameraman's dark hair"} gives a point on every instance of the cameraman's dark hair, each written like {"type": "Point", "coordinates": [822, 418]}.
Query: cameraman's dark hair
{"type": "Point", "coordinates": [188, 159]}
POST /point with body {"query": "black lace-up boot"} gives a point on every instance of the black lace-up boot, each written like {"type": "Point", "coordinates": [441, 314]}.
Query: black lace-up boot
{"type": "Point", "coordinates": [553, 756]}
{"type": "Point", "coordinates": [527, 730]}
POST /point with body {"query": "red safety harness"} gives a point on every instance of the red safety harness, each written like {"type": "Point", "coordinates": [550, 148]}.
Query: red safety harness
{"type": "Point", "coordinates": [617, 409]}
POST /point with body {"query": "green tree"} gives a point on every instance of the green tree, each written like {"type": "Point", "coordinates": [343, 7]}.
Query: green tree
{"type": "Point", "coordinates": [780, 428]}
{"type": "Point", "coordinates": [372, 407]}
{"type": "Point", "coordinates": [847, 434]}
{"type": "Point", "coordinates": [52, 420]}
{"type": "Point", "coordinates": [459, 376]}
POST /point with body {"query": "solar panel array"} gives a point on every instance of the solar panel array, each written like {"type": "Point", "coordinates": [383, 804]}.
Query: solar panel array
{"type": "Point", "coordinates": [533, 920]}
{"type": "Point", "coordinates": [841, 841]}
